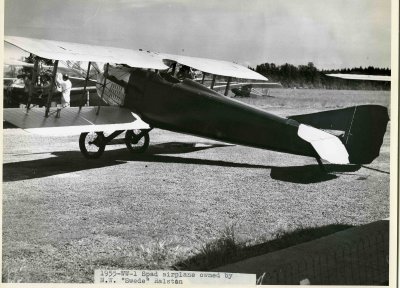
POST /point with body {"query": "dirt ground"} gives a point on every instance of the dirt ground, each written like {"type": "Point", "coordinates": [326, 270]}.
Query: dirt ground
{"type": "Point", "coordinates": [64, 216]}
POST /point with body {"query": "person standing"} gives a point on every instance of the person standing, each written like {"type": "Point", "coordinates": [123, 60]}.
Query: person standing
{"type": "Point", "coordinates": [65, 86]}
{"type": "Point", "coordinates": [27, 87]}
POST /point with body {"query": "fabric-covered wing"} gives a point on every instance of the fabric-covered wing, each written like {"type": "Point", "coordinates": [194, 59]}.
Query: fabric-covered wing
{"type": "Point", "coordinates": [14, 62]}
{"type": "Point", "coordinates": [58, 50]}
{"type": "Point", "coordinates": [360, 77]}
{"type": "Point", "coordinates": [73, 120]}
{"type": "Point", "coordinates": [218, 67]}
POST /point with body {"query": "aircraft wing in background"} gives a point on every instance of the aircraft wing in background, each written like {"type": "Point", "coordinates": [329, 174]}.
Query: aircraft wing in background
{"type": "Point", "coordinates": [361, 77]}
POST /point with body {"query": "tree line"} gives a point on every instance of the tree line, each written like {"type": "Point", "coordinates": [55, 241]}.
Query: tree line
{"type": "Point", "coordinates": [308, 76]}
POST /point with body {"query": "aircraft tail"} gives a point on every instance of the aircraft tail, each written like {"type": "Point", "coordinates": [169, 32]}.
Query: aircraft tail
{"type": "Point", "coordinates": [360, 128]}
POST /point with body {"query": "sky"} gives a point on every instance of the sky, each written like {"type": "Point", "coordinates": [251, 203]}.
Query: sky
{"type": "Point", "coordinates": [331, 34]}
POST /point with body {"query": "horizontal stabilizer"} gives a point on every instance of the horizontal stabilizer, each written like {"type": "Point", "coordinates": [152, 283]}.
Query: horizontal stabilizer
{"type": "Point", "coordinates": [73, 121]}
{"type": "Point", "coordinates": [326, 145]}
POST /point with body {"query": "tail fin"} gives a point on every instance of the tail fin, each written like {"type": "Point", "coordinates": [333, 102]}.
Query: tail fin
{"type": "Point", "coordinates": [362, 129]}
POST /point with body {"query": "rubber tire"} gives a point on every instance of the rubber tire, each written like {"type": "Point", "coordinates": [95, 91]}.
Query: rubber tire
{"type": "Point", "coordinates": [82, 146]}
{"type": "Point", "coordinates": [135, 150]}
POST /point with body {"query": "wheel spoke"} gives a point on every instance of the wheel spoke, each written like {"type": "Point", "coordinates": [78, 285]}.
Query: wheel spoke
{"type": "Point", "coordinates": [92, 143]}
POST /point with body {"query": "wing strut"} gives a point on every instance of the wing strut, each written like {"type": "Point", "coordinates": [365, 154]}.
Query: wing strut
{"type": "Point", "coordinates": [213, 82]}
{"type": "Point", "coordinates": [84, 88]}
{"type": "Point", "coordinates": [104, 87]}
{"type": "Point", "coordinates": [35, 68]}
{"type": "Point", "coordinates": [51, 88]}
{"type": "Point", "coordinates": [227, 86]}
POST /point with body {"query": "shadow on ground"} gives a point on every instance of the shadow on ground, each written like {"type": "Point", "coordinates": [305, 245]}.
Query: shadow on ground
{"type": "Point", "coordinates": [73, 161]}
{"type": "Point", "coordinates": [227, 249]}
{"type": "Point", "coordinates": [8, 125]}
{"type": "Point", "coordinates": [310, 173]}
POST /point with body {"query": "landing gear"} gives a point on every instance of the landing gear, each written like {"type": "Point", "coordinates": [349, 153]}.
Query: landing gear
{"type": "Point", "coordinates": [92, 144]}
{"type": "Point", "coordinates": [137, 141]}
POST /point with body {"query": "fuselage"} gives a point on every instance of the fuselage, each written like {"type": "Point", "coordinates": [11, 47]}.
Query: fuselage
{"type": "Point", "coordinates": [189, 107]}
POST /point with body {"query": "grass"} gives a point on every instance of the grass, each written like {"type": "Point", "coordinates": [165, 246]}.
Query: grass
{"type": "Point", "coordinates": [213, 253]}
{"type": "Point", "coordinates": [228, 249]}
{"type": "Point", "coordinates": [316, 99]}
{"type": "Point", "coordinates": [154, 255]}
{"type": "Point", "coordinates": [159, 255]}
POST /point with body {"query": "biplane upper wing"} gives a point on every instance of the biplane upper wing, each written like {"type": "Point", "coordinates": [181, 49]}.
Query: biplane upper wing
{"type": "Point", "coordinates": [361, 77]}
{"type": "Point", "coordinates": [217, 67]}
{"type": "Point", "coordinates": [14, 62]}
{"type": "Point", "coordinates": [75, 120]}
{"type": "Point", "coordinates": [59, 50]}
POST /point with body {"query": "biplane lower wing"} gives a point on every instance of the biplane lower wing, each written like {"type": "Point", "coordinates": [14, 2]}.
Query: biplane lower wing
{"type": "Point", "coordinates": [250, 84]}
{"type": "Point", "coordinates": [74, 120]}
{"type": "Point", "coordinates": [245, 89]}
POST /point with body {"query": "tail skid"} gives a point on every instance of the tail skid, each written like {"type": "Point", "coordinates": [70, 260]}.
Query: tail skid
{"type": "Point", "coordinates": [361, 129]}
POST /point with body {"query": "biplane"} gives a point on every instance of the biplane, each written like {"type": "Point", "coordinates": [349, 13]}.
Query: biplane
{"type": "Point", "coordinates": [143, 93]}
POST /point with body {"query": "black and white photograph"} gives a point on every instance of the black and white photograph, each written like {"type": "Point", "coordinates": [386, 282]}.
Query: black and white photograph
{"type": "Point", "coordinates": [206, 142]}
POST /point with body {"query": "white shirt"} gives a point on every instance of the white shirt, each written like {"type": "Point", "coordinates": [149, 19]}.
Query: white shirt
{"type": "Point", "coordinates": [65, 90]}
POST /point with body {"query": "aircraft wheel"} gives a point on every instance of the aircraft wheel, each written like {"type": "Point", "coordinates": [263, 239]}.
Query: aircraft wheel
{"type": "Point", "coordinates": [92, 144]}
{"type": "Point", "coordinates": [137, 141]}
